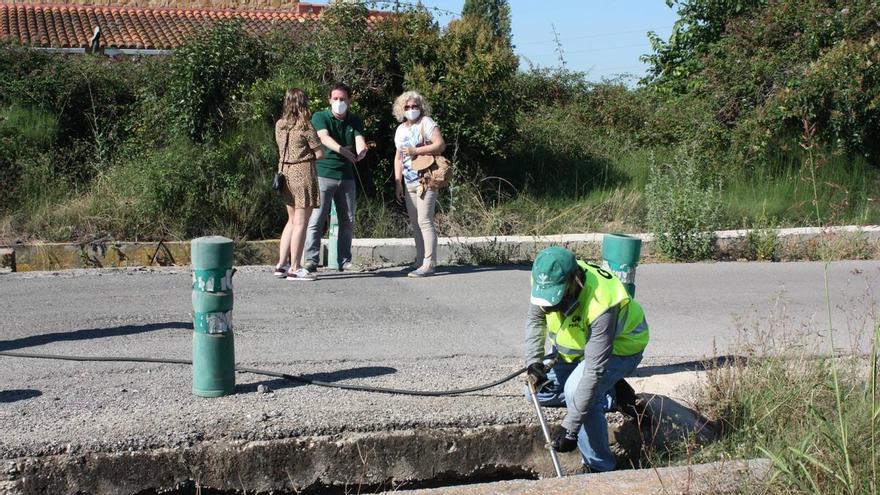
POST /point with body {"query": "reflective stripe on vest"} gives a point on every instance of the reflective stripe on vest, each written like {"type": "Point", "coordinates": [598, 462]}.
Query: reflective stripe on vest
{"type": "Point", "coordinates": [602, 291]}
{"type": "Point", "coordinates": [564, 350]}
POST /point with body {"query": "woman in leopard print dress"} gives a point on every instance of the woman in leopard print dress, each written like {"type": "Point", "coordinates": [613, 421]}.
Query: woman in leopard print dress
{"type": "Point", "coordinates": [298, 148]}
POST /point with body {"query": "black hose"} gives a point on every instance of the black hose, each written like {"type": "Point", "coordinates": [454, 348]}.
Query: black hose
{"type": "Point", "coordinates": [276, 374]}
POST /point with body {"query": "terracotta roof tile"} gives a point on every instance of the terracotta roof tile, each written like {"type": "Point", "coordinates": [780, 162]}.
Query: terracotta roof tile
{"type": "Point", "coordinates": [71, 26]}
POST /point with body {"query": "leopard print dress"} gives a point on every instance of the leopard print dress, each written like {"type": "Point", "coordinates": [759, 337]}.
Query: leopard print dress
{"type": "Point", "coordinates": [296, 152]}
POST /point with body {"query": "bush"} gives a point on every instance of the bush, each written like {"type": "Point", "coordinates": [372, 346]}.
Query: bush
{"type": "Point", "coordinates": [683, 209]}
{"type": "Point", "coordinates": [471, 90]}
{"type": "Point", "coordinates": [554, 143]}
{"type": "Point", "coordinates": [209, 73]}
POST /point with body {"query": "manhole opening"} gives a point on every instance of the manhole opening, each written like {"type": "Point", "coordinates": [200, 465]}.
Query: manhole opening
{"type": "Point", "coordinates": [486, 475]}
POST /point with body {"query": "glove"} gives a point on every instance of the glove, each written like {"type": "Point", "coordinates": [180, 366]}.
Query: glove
{"type": "Point", "coordinates": [536, 373]}
{"type": "Point", "coordinates": [565, 440]}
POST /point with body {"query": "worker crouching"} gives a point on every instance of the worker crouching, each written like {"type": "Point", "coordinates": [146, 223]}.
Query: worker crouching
{"type": "Point", "coordinates": [598, 333]}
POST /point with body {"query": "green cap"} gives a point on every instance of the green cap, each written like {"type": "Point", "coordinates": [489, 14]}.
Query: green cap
{"type": "Point", "coordinates": [551, 271]}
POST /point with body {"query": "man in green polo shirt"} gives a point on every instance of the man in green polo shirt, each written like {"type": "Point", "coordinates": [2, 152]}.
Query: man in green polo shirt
{"type": "Point", "coordinates": [342, 134]}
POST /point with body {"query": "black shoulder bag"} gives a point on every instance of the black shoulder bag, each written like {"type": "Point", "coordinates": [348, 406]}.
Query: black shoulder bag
{"type": "Point", "coordinates": [278, 180]}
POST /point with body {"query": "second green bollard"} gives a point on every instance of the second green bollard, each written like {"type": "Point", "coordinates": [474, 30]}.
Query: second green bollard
{"type": "Point", "coordinates": [333, 239]}
{"type": "Point", "coordinates": [621, 253]}
{"type": "Point", "coordinates": [213, 341]}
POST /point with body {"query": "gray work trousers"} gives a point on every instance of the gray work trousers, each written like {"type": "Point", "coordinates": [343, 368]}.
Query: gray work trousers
{"type": "Point", "coordinates": [342, 192]}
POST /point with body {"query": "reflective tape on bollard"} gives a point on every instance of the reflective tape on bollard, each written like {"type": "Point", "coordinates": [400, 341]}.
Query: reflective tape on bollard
{"type": "Point", "coordinates": [213, 280]}
{"type": "Point", "coordinates": [212, 322]}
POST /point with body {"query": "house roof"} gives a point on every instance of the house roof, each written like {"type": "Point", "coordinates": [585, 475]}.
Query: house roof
{"type": "Point", "coordinates": [72, 26]}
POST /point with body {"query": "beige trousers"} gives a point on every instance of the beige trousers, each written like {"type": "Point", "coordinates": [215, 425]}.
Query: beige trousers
{"type": "Point", "coordinates": [421, 218]}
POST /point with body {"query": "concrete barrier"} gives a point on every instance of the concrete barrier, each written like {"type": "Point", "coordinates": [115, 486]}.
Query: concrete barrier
{"type": "Point", "coordinates": [7, 260]}
{"type": "Point", "coordinates": [790, 244]}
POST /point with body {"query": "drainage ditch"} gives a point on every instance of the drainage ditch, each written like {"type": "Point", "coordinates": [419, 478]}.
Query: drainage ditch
{"type": "Point", "coordinates": [484, 475]}
{"type": "Point", "coordinates": [355, 463]}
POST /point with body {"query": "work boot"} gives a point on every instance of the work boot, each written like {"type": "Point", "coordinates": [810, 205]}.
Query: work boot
{"type": "Point", "coordinates": [348, 266]}
{"type": "Point", "coordinates": [626, 398]}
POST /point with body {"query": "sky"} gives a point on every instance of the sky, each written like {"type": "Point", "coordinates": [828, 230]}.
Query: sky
{"type": "Point", "coordinates": [603, 38]}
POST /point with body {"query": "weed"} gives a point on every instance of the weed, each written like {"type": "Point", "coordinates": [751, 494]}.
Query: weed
{"type": "Point", "coordinates": [491, 252]}
{"type": "Point", "coordinates": [762, 243]}
{"type": "Point", "coordinates": [683, 208]}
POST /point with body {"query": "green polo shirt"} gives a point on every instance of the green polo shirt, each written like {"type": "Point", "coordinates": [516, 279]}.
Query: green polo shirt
{"type": "Point", "coordinates": [334, 165]}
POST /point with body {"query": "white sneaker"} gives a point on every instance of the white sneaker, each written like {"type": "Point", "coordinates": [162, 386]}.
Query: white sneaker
{"type": "Point", "coordinates": [303, 275]}
{"type": "Point", "coordinates": [281, 270]}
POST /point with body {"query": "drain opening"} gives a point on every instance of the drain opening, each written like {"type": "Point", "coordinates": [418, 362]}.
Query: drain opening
{"type": "Point", "coordinates": [485, 475]}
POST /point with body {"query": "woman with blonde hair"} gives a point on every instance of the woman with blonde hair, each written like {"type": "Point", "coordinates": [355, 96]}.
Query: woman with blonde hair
{"type": "Point", "coordinates": [417, 134]}
{"type": "Point", "coordinates": [298, 148]}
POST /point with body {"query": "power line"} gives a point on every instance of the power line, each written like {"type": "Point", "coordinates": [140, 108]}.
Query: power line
{"type": "Point", "coordinates": [602, 35]}
{"type": "Point", "coordinates": [604, 49]}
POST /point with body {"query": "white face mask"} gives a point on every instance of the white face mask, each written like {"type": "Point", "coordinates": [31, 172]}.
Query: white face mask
{"type": "Point", "coordinates": [339, 107]}
{"type": "Point", "coordinates": [412, 114]}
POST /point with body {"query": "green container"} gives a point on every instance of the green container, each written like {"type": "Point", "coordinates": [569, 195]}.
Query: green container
{"type": "Point", "coordinates": [620, 253]}
{"type": "Point", "coordinates": [213, 340]}
{"type": "Point", "coordinates": [333, 240]}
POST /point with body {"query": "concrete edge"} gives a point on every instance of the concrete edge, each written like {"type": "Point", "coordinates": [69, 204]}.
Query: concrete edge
{"type": "Point", "coordinates": [290, 464]}
{"type": "Point", "coordinates": [842, 242]}
{"type": "Point", "coordinates": [734, 476]}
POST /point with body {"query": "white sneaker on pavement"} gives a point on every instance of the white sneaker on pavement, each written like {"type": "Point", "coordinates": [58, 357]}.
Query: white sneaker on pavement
{"type": "Point", "coordinates": [302, 275]}
{"type": "Point", "coordinates": [281, 270]}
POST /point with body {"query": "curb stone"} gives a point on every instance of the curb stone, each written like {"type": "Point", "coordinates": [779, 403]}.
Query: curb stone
{"type": "Point", "coordinates": [846, 242]}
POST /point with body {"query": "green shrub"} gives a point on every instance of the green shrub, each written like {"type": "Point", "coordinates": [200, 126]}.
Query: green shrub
{"type": "Point", "coordinates": [683, 209]}
{"type": "Point", "coordinates": [762, 242]}
{"type": "Point", "coordinates": [471, 89]}
{"type": "Point", "coordinates": [211, 71]}
{"type": "Point", "coordinates": [555, 145]}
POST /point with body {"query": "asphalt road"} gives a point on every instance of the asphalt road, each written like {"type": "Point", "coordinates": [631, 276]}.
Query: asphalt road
{"type": "Point", "coordinates": [460, 328]}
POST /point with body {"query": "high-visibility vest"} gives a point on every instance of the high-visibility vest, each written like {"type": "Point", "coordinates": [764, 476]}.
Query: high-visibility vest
{"type": "Point", "coordinates": [602, 291]}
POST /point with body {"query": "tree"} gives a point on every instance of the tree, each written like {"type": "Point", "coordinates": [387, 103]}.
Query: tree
{"type": "Point", "coordinates": [675, 64]}
{"type": "Point", "coordinates": [495, 13]}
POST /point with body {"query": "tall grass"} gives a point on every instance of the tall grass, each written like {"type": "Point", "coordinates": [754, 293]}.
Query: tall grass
{"type": "Point", "coordinates": [847, 189]}
{"type": "Point", "coordinates": [815, 416]}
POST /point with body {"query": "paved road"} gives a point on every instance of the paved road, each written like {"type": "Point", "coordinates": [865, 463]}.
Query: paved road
{"type": "Point", "coordinates": [460, 328]}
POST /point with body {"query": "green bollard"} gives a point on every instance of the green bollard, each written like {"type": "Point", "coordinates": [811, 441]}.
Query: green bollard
{"type": "Point", "coordinates": [213, 342]}
{"type": "Point", "coordinates": [333, 241]}
{"type": "Point", "coordinates": [620, 254]}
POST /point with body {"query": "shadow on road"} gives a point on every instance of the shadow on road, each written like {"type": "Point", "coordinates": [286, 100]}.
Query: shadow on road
{"type": "Point", "coordinates": [331, 377]}
{"type": "Point", "coordinates": [90, 333]}
{"type": "Point", "coordinates": [7, 396]}
{"type": "Point", "coordinates": [442, 271]}
{"type": "Point", "coordinates": [703, 365]}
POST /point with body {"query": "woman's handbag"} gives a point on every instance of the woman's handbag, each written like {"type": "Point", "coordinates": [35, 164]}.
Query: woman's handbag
{"type": "Point", "coordinates": [435, 170]}
{"type": "Point", "coordinates": [277, 181]}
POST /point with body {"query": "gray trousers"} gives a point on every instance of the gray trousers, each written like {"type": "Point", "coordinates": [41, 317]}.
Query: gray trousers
{"type": "Point", "coordinates": [342, 192]}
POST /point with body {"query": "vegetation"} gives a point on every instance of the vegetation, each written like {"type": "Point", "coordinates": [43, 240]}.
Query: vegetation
{"type": "Point", "coordinates": [180, 146]}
